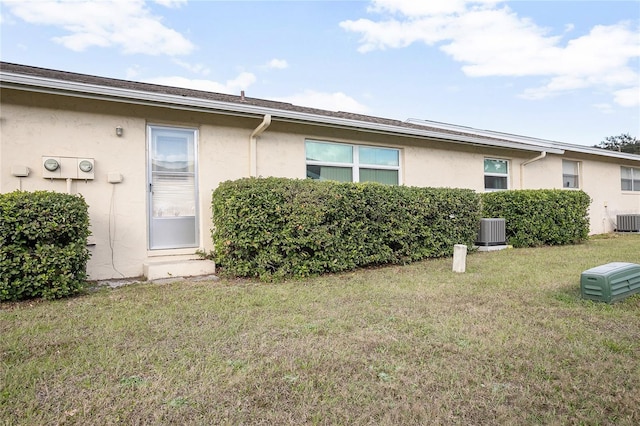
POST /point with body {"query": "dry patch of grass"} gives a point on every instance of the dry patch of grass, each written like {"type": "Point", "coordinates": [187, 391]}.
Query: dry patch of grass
{"type": "Point", "coordinates": [510, 341]}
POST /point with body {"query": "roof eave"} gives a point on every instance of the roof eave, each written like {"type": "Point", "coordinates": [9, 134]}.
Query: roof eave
{"type": "Point", "coordinates": [603, 152]}
{"type": "Point", "coordinates": [92, 91]}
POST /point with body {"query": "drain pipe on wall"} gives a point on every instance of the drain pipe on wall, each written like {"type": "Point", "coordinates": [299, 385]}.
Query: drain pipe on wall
{"type": "Point", "coordinates": [539, 157]}
{"type": "Point", "coordinates": [253, 145]}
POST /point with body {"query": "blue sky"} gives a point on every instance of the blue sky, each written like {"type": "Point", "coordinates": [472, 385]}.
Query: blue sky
{"type": "Point", "coordinates": [561, 70]}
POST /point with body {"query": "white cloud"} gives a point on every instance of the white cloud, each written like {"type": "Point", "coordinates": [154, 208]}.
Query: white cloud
{"type": "Point", "coordinates": [194, 68]}
{"type": "Point", "coordinates": [336, 101]}
{"type": "Point", "coordinates": [232, 87]}
{"type": "Point", "coordinates": [489, 39]}
{"type": "Point", "coordinates": [278, 64]}
{"type": "Point", "coordinates": [127, 24]}
{"type": "Point", "coordinates": [629, 97]}
{"type": "Point", "coordinates": [423, 8]}
{"type": "Point", "coordinates": [132, 72]}
{"type": "Point", "coordinates": [604, 108]}
{"type": "Point", "coordinates": [555, 86]}
{"type": "Point", "coordinates": [171, 3]}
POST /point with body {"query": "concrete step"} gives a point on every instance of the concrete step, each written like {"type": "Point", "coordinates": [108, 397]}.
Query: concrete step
{"type": "Point", "coordinates": [159, 269]}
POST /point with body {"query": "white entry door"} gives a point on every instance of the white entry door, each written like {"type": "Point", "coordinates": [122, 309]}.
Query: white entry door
{"type": "Point", "coordinates": [173, 206]}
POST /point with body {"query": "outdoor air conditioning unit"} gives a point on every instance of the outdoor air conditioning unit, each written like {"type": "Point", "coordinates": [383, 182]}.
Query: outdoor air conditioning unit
{"type": "Point", "coordinates": [628, 223]}
{"type": "Point", "coordinates": [492, 232]}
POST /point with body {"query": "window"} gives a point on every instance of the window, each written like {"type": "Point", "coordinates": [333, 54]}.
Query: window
{"type": "Point", "coordinates": [496, 174]}
{"type": "Point", "coordinates": [352, 163]}
{"type": "Point", "coordinates": [630, 178]}
{"type": "Point", "coordinates": [570, 174]}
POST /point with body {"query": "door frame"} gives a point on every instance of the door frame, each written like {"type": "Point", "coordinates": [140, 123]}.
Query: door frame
{"type": "Point", "coordinates": [149, 187]}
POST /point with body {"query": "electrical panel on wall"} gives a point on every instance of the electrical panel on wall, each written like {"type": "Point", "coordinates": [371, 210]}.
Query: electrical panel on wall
{"type": "Point", "coordinates": [85, 168]}
{"type": "Point", "coordinates": [68, 168]}
{"type": "Point", "coordinates": [51, 167]}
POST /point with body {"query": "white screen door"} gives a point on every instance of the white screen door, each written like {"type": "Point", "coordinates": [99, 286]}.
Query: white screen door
{"type": "Point", "coordinates": [173, 209]}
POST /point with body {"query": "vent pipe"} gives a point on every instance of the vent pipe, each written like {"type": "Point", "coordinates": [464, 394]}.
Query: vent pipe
{"type": "Point", "coordinates": [539, 157]}
{"type": "Point", "coordinates": [253, 145]}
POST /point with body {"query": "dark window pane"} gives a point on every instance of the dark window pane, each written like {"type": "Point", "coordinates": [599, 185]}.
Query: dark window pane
{"type": "Point", "coordinates": [627, 185]}
{"type": "Point", "coordinates": [570, 181]}
{"type": "Point", "coordinates": [388, 177]}
{"type": "Point", "coordinates": [341, 174]}
{"type": "Point", "coordinates": [495, 182]}
{"type": "Point", "coordinates": [379, 156]}
{"type": "Point", "coordinates": [329, 152]}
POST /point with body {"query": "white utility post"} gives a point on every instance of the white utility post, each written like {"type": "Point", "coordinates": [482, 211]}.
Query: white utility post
{"type": "Point", "coordinates": [459, 258]}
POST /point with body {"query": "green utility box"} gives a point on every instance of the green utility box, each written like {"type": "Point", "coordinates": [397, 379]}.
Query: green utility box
{"type": "Point", "coordinates": [611, 282]}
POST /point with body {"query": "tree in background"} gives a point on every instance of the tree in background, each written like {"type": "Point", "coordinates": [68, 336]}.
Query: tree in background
{"type": "Point", "coordinates": [622, 143]}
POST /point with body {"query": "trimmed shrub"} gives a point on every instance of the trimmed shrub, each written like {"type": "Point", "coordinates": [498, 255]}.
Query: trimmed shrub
{"type": "Point", "coordinates": [43, 238]}
{"type": "Point", "coordinates": [276, 227]}
{"type": "Point", "coordinates": [540, 217]}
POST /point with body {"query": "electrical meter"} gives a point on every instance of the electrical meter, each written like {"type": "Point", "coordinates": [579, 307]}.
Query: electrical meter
{"type": "Point", "coordinates": [51, 164]}
{"type": "Point", "coordinates": [85, 166]}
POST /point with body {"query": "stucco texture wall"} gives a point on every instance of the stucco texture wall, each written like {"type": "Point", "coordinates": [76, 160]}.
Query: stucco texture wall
{"type": "Point", "coordinates": [70, 127]}
{"type": "Point", "coordinates": [601, 180]}
{"type": "Point", "coordinates": [33, 125]}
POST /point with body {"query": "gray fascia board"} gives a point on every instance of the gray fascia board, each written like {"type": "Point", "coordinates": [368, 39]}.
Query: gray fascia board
{"type": "Point", "coordinates": [527, 140]}
{"type": "Point", "coordinates": [91, 91]}
{"type": "Point", "coordinates": [601, 152]}
{"type": "Point", "coordinates": [540, 143]}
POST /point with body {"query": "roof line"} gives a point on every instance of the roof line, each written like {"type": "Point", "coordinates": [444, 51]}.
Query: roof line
{"type": "Point", "coordinates": [483, 132]}
{"type": "Point", "coordinates": [43, 80]}
{"type": "Point", "coordinates": [93, 91]}
{"type": "Point", "coordinates": [525, 139]}
{"type": "Point", "coordinates": [117, 90]}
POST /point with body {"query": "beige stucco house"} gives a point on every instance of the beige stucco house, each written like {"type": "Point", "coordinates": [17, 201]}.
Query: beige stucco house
{"type": "Point", "coordinates": [146, 159]}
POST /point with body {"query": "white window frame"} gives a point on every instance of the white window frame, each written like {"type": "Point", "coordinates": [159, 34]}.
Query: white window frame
{"type": "Point", "coordinates": [635, 177]}
{"type": "Point", "coordinates": [505, 175]}
{"type": "Point", "coordinates": [154, 220]}
{"type": "Point", "coordinates": [577, 177]}
{"type": "Point", "coordinates": [356, 165]}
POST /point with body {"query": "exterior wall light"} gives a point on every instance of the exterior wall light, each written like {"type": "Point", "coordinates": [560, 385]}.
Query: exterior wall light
{"type": "Point", "coordinates": [119, 131]}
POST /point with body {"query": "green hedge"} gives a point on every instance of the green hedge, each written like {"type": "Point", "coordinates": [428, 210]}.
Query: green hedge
{"type": "Point", "coordinates": [540, 217]}
{"type": "Point", "coordinates": [43, 252]}
{"type": "Point", "coordinates": [277, 227]}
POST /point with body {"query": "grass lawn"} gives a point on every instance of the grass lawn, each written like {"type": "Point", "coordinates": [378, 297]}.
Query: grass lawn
{"type": "Point", "coordinates": [508, 342]}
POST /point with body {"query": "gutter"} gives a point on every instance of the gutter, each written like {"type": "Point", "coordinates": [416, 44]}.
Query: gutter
{"type": "Point", "coordinates": [542, 155]}
{"type": "Point", "coordinates": [139, 97]}
{"type": "Point", "coordinates": [253, 145]}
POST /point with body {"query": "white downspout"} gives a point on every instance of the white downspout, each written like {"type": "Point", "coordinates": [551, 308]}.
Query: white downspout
{"type": "Point", "coordinates": [253, 145]}
{"type": "Point", "coordinates": [539, 157]}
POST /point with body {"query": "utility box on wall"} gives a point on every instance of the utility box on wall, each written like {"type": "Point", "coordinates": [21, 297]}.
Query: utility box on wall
{"type": "Point", "coordinates": [611, 282]}
{"type": "Point", "coordinates": [51, 167]}
{"type": "Point", "coordinates": [68, 168]}
{"type": "Point", "coordinates": [85, 168]}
